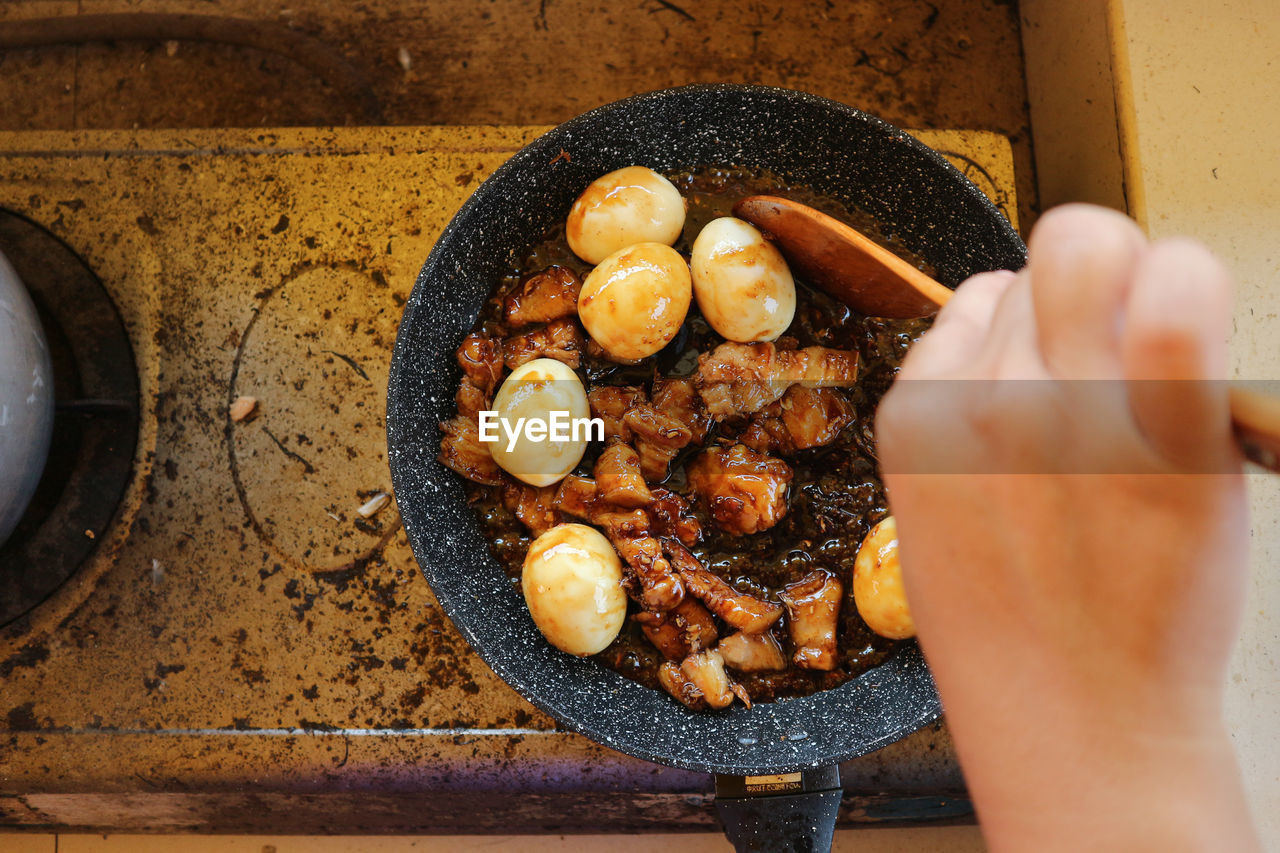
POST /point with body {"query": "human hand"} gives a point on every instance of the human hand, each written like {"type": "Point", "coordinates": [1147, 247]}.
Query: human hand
{"type": "Point", "coordinates": [1073, 545]}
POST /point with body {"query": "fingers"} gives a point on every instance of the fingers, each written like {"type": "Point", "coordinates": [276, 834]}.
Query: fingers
{"type": "Point", "coordinates": [1175, 355]}
{"type": "Point", "coordinates": [1081, 259]}
{"type": "Point", "coordinates": [1096, 302]}
{"type": "Point", "coordinates": [1011, 349]}
{"type": "Point", "coordinates": [960, 329]}
{"type": "Point", "coordinates": [915, 423]}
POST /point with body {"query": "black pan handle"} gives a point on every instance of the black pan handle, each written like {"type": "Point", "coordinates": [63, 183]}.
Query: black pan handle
{"type": "Point", "coordinates": [785, 813]}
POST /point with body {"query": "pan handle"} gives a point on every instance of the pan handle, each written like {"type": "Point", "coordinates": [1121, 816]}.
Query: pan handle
{"type": "Point", "coordinates": [785, 813]}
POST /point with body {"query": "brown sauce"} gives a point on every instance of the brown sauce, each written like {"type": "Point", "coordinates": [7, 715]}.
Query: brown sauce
{"type": "Point", "coordinates": [836, 495]}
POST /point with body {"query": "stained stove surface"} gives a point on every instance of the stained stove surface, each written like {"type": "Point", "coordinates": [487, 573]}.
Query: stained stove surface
{"type": "Point", "coordinates": [241, 651]}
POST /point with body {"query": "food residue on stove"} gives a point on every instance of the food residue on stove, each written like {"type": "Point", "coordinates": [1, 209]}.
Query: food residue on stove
{"type": "Point", "coordinates": [374, 505]}
{"type": "Point", "coordinates": [707, 538]}
{"type": "Point", "coordinates": [243, 409]}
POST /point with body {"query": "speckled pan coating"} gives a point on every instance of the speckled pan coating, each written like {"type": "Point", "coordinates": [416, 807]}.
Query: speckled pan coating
{"type": "Point", "coordinates": [837, 150]}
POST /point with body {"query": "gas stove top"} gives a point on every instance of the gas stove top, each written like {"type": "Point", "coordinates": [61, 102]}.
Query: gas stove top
{"type": "Point", "coordinates": [242, 649]}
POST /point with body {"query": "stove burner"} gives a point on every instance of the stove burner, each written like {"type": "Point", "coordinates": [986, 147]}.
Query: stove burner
{"type": "Point", "coordinates": [95, 427]}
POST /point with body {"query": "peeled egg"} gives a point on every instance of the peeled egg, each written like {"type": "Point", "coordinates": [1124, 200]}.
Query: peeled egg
{"type": "Point", "coordinates": [877, 583]}
{"type": "Point", "coordinates": [741, 281]}
{"type": "Point", "coordinates": [625, 207]}
{"type": "Point", "coordinates": [534, 391]}
{"type": "Point", "coordinates": [573, 585]}
{"type": "Point", "coordinates": [634, 301]}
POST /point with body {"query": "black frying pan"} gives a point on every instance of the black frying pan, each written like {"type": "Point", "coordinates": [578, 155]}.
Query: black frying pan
{"type": "Point", "coordinates": [839, 152]}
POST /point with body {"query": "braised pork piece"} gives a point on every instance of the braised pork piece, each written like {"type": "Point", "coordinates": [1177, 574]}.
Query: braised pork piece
{"type": "Point", "coordinates": [735, 481]}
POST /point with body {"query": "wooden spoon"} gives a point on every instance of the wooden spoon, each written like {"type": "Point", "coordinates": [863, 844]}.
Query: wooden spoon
{"type": "Point", "coordinates": [838, 259]}
{"type": "Point", "coordinates": [874, 281]}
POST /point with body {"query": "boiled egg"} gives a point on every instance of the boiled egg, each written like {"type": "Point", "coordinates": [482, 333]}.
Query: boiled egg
{"type": "Point", "coordinates": [634, 301]}
{"type": "Point", "coordinates": [877, 583]}
{"type": "Point", "coordinates": [538, 422]}
{"type": "Point", "coordinates": [625, 207]}
{"type": "Point", "coordinates": [572, 583]}
{"type": "Point", "coordinates": [741, 281]}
